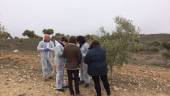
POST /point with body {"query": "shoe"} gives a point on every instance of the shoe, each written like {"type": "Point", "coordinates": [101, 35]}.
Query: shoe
{"type": "Point", "coordinates": [86, 85]}
{"type": "Point", "coordinates": [72, 95]}
{"type": "Point", "coordinates": [66, 86]}
{"type": "Point", "coordinates": [81, 82]}
{"type": "Point", "coordinates": [79, 95]}
{"type": "Point", "coordinates": [51, 77]}
{"type": "Point", "coordinates": [45, 79]}
{"type": "Point", "coordinates": [60, 90]}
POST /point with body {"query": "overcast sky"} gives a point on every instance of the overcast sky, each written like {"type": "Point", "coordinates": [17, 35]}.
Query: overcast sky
{"type": "Point", "coordinates": [83, 16]}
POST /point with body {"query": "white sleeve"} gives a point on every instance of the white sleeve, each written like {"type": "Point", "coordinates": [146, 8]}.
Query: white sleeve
{"type": "Point", "coordinates": [51, 46]}
{"type": "Point", "coordinates": [39, 47]}
{"type": "Point", "coordinates": [85, 49]}
{"type": "Point", "coordinates": [60, 50]}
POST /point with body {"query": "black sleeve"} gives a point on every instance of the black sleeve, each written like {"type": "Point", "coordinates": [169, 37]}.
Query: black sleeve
{"type": "Point", "coordinates": [79, 57]}
{"type": "Point", "coordinates": [87, 58]}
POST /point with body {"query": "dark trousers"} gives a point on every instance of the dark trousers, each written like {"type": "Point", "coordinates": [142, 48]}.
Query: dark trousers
{"type": "Point", "coordinates": [105, 82]}
{"type": "Point", "coordinates": [73, 75]}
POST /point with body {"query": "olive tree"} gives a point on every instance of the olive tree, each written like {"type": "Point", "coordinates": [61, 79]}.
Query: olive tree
{"type": "Point", "coordinates": [48, 31]}
{"type": "Point", "coordinates": [120, 43]}
{"type": "Point", "coordinates": [30, 34]}
{"type": "Point", "coordinates": [3, 34]}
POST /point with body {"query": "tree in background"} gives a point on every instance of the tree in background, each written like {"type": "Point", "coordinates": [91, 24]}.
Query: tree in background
{"type": "Point", "coordinates": [91, 37]}
{"type": "Point", "coordinates": [48, 31]}
{"type": "Point", "coordinates": [3, 34]}
{"type": "Point", "coordinates": [120, 43]}
{"type": "Point", "coordinates": [30, 34]}
{"type": "Point", "coordinates": [59, 35]}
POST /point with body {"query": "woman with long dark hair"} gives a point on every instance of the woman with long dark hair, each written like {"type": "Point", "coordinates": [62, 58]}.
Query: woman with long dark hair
{"type": "Point", "coordinates": [97, 67]}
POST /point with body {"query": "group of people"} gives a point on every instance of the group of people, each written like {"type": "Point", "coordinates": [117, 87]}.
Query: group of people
{"type": "Point", "coordinates": [82, 61]}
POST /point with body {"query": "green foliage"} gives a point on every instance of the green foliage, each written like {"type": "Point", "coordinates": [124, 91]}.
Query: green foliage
{"type": "Point", "coordinates": [154, 46]}
{"type": "Point", "coordinates": [154, 49]}
{"type": "Point", "coordinates": [120, 43]}
{"type": "Point", "coordinates": [116, 52]}
{"type": "Point", "coordinates": [124, 25]}
{"type": "Point", "coordinates": [30, 34]}
{"type": "Point", "coordinates": [16, 37]}
{"type": "Point", "coordinates": [58, 35]}
{"type": "Point", "coordinates": [3, 34]}
{"type": "Point", "coordinates": [166, 45]}
{"type": "Point", "coordinates": [155, 43]}
{"type": "Point", "coordinates": [21, 40]}
{"type": "Point", "coordinates": [166, 55]}
{"type": "Point", "coordinates": [91, 37]}
{"type": "Point", "coordinates": [48, 31]}
{"type": "Point", "coordinates": [137, 48]}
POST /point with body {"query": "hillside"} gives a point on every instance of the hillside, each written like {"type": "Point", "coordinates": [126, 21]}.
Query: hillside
{"type": "Point", "coordinates": [155, 37]}
{"type": "Point", "coordinates": [30, 44]}
{"type": "Point", "coordinates": [144, 75]}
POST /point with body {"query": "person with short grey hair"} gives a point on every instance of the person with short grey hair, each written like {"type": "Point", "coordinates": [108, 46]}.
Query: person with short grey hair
{"type": "Point", "coordinates": [45, 47]}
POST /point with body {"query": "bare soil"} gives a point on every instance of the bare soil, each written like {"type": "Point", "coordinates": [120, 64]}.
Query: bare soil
{"type": "Point", "coordinates": [20, 75]}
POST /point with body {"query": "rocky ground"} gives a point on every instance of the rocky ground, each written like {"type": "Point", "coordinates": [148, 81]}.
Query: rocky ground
{"type": "Point", "coordinates": [20, 75]}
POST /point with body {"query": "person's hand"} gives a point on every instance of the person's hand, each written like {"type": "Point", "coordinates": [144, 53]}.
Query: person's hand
{"type": "Point", "coordinates": [46, 49]}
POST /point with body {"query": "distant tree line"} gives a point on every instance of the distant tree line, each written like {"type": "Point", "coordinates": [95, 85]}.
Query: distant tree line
{"type": "Point", "coordinates": [31, 33]}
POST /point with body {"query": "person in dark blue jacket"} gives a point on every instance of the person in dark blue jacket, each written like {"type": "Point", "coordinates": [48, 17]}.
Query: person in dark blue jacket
{"type": "Point", "coordinates": [97, 66]}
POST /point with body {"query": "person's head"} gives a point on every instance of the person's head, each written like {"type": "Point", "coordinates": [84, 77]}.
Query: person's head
{"type": "Point", "coordinates": [47, 38]}
{"type": "Point", "coordinates": [94, 44]}
{"type": "Point", "coordinates": [81, 39]}
{"type": "Point", "coordinates": [73, 40]}
{"type": "Point", "coordinates": [64, 40]}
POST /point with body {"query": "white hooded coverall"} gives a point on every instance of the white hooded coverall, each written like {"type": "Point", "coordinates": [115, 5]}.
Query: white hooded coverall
{"type": "Point", "coordinates": [59, 61]}
{"type": "Point", "coordinates": [46, 57]}
{"type": "Point", "coordinates": [83, 68]}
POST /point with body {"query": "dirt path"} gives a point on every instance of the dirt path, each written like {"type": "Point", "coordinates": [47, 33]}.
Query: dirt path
{"type": "Point", "coordinates": [20, 75]}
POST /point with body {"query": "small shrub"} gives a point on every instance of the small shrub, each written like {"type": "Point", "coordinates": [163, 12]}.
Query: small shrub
{"type": "Point", "coordinates": [138, 48]}
{"type": "Point", "coordinates": [154, 49]}
{"type": "Point", "coordinates": [166, 45]}
{"type": "Point", "coordinates": [16, 38]}
{"type": "Point", "coordinates": [166, 57]}
{"type": "Point", "coordinates": [21, 40]}
{"type": "Point", "coordinates": [155, 43]}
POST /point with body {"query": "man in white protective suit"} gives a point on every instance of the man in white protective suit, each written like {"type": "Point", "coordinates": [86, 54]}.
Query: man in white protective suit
{"type": "Point", "coordinates": [45, 47]}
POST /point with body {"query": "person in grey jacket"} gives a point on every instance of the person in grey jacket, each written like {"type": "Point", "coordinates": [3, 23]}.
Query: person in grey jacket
{"type": "Point", "coordinates": [45, 47]}
{"type": "Point", "coordinates": [60, 62]}
{"type": "Point", "coordinates": [84, 47]}
{"type": "Point", "coordinates": [97, 67]}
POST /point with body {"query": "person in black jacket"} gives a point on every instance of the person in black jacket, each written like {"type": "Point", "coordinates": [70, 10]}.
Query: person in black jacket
{"type": "Point", "coordinates": [97, 67]}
